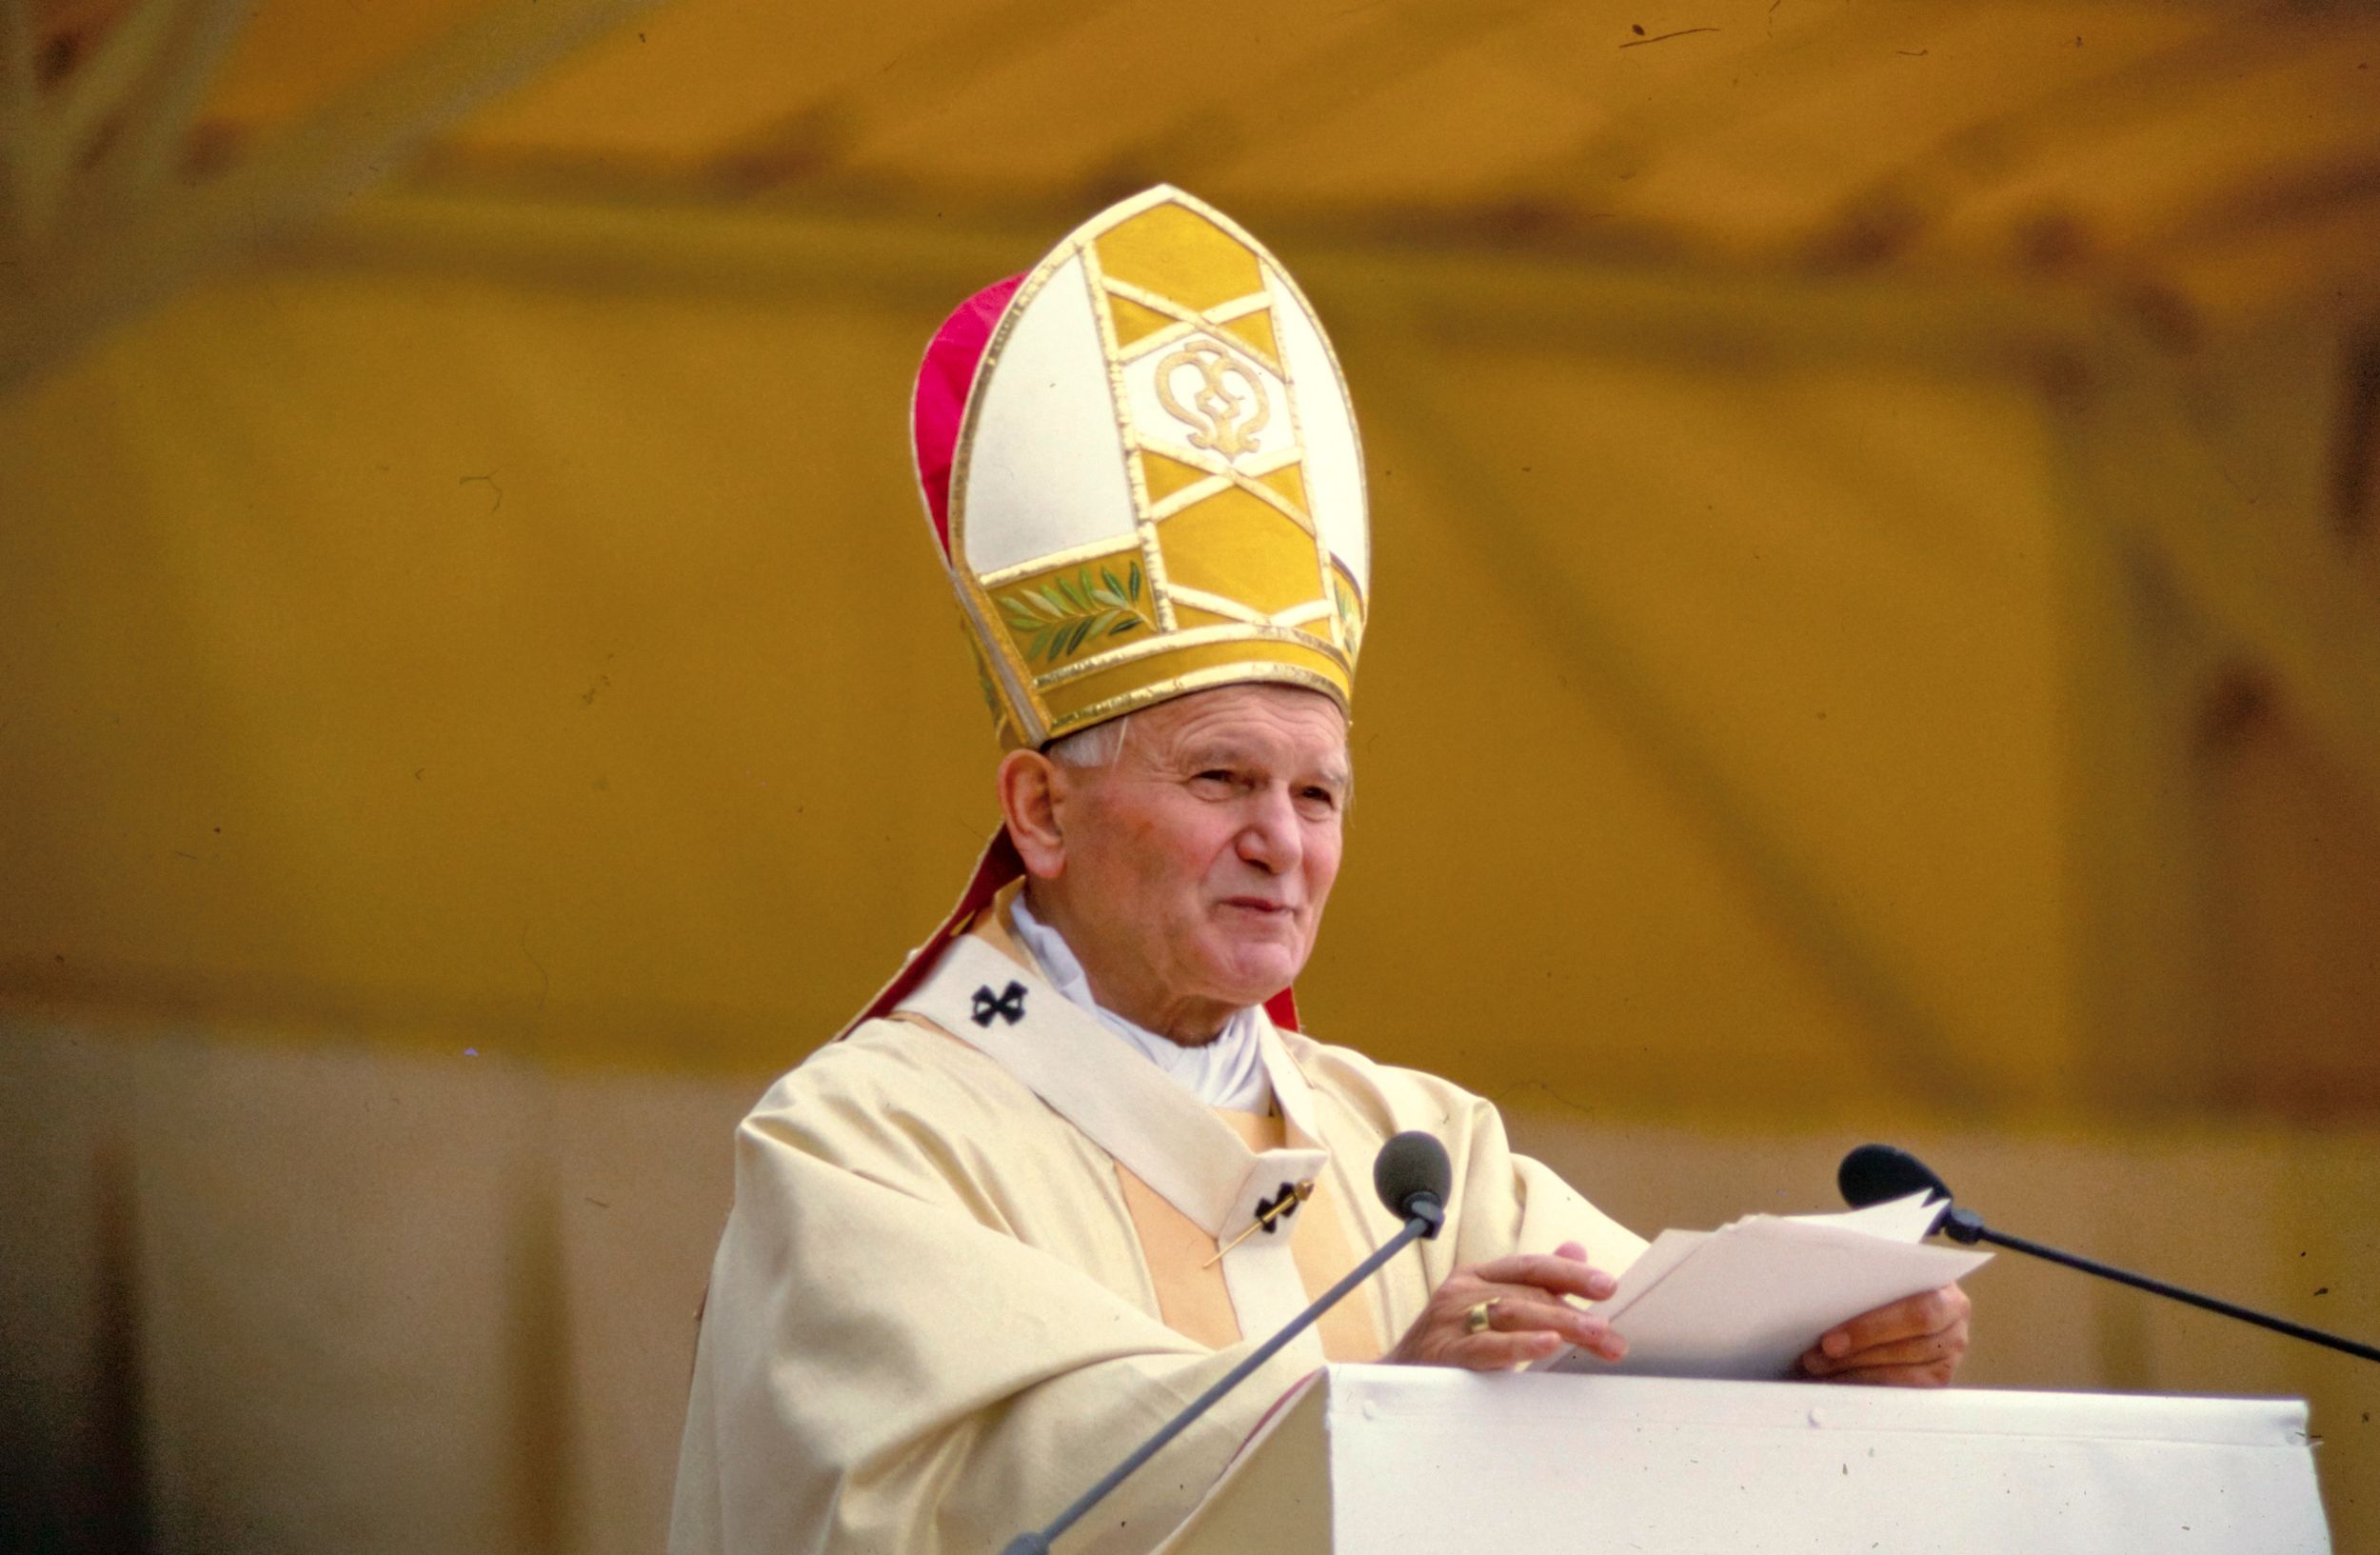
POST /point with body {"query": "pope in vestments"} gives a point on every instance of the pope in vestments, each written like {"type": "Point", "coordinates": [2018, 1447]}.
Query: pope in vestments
{"type": "Point", "coordinates": [1076, 1159]}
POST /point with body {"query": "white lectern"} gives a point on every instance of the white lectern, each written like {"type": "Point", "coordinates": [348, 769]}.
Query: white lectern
{"type": "Point", "coordinates": [1374, 1459]}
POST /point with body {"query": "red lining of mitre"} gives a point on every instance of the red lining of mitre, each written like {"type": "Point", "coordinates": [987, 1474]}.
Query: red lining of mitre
{"type": "Point", "coordinates": [944, 378]}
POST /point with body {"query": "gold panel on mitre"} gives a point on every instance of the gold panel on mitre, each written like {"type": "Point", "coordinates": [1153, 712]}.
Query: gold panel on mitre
{"type": "Point", "coordinates": [1156, 486]}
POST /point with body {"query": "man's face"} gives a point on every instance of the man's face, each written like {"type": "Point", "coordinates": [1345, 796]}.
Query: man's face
{"type": "Point", "coordinates": [1197, 861]}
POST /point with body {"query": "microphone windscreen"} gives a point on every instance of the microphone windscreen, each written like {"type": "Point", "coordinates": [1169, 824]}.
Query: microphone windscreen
{"type": "Point", "coordinates": [1409, 1166]}
{"type": "Point", "coordinates": [1873, 1173]}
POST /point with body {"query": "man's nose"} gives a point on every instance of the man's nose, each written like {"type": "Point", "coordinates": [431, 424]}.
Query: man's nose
{"type": "Point", "coordinates": [1269, 837]}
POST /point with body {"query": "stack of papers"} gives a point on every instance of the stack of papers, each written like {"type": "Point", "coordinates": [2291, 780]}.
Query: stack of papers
{"type": "Point", "coordinates": [1745, 1300]}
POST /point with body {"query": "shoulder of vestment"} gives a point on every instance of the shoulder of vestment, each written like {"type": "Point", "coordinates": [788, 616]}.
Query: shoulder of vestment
{"type": "Point", "coordinates": [902, 1102]}
{"type": "Point", "coordinates": [1388, 1097]}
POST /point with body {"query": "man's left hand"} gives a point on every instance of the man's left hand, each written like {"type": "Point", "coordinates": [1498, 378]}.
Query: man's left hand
{"type": "Point", "coordinates": [1915, 1343]}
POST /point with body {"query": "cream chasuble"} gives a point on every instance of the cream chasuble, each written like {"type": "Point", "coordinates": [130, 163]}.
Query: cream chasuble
{"type": "Point", "coordinates": [962, 1276]}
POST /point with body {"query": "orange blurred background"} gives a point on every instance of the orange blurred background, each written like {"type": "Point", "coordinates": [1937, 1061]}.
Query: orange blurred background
{"type": "Point", "coordinates": [1874, 519]}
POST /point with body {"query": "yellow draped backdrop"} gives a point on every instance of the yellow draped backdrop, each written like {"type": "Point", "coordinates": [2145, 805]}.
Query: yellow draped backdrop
{"type": "Point", "coordinates": [476, 698]}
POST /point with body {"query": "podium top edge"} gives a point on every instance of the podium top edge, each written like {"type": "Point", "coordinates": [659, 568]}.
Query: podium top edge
{"type": "Point", "coordinates": [1382, 1392]}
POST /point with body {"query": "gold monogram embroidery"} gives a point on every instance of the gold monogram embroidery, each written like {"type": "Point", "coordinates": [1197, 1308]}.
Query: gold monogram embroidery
{"type": "Point", "coordinates": [1221, 418]}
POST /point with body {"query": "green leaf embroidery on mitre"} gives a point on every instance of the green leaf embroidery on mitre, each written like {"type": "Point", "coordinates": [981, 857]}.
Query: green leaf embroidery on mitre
{"type": "Point", "coordinates": [1059, 617]}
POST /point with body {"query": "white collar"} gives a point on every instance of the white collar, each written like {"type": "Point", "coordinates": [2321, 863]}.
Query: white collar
{"type": "Point", "coordinates": [1152, 1126]}
{"type": "Point", "coordinates": [1128, 1107]}
{"type": "Point", "coordinates": [1228, 1073]}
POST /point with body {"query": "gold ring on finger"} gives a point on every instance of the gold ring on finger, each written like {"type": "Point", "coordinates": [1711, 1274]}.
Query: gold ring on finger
{"type": "Point", "coordinates": [1476, 1320]}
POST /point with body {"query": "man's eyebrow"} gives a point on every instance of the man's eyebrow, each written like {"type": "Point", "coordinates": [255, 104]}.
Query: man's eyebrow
{"type": "Point", "coordinates": [1200, 758]}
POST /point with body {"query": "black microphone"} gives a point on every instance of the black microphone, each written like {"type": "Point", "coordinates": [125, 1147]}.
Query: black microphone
{"type": "Point", "coordinates": [1873, 1173]}
{"type": "Point", "coordinates": [1412, 1177]}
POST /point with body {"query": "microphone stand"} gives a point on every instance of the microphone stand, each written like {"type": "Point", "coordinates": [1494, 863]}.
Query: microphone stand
{"type": "Point", "coordinates": [1425, 1217]}
{"type": "Point", "coordinates": [1967, 1227]}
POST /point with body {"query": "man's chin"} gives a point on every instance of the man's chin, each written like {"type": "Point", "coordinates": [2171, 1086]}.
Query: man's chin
{"type": "Point", "coordinates": [1254, 978]}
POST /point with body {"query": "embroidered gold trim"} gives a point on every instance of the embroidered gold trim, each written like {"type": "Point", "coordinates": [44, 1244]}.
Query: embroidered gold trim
{"type": "Point", "coordinates": [1273, 275]}
{"type": "Point", "coordinates": [1223, 312]}
{"type": "Point", "coordinates": [1189, 320]}
{"type": "Point", "coordinates": [1287, 508]}
{"type": "Point", "coordinates": [1152, 555]}
{"type": "Point", "coordinates": [1023, 708]}
{"type": "Point", "coordinates": [1252, 470]}
{"type": "Point", "coordinates": [1200, 598]}
{"type": "Point", "coordinates": [1195, 637]}
{"type": "Point", "coordinates": [1298, 433]}
{"type": "Point", "coordinates": [1206, 464]}
{"type": "Point", "coordinates": [1298, 615]}
{"type": "Point", "coordinates": [1116, 547]}
{"type": "Point", "coordinates": [1189, 496]}
{"type": "Point", "coordinates": [1201, 680]}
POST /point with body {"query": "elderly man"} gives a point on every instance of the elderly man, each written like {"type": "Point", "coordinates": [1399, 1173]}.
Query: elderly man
{"type": "Point", "coordinates": [1075, 1160]}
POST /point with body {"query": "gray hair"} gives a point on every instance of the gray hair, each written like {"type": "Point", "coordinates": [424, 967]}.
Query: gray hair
{"type": "Point", "coordinates": [1098, 745]}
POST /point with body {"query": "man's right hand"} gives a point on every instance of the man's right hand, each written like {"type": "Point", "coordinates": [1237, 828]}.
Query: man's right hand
{"type": "Point", "coordinates": [1529, 1320]}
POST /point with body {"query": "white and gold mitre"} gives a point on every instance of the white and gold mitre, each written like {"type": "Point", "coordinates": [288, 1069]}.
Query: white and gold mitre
{"type": "Point", "coordinates": [1142, 468]}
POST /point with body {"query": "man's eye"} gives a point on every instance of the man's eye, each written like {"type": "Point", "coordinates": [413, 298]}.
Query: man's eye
{"type": "Point", "coordinates": [1321, 798]}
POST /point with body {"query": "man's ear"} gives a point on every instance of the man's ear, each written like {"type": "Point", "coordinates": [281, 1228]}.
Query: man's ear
{"type": "Point", "coordinates": [1031, 788]}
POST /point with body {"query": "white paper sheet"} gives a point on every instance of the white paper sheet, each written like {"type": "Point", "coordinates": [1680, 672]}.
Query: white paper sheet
{"type": "Point", "coordinates": [1745, 1300]}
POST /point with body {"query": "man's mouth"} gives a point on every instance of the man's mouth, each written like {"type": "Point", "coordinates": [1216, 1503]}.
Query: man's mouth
{"type": "Point", "coordinates": [1256, 903]}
